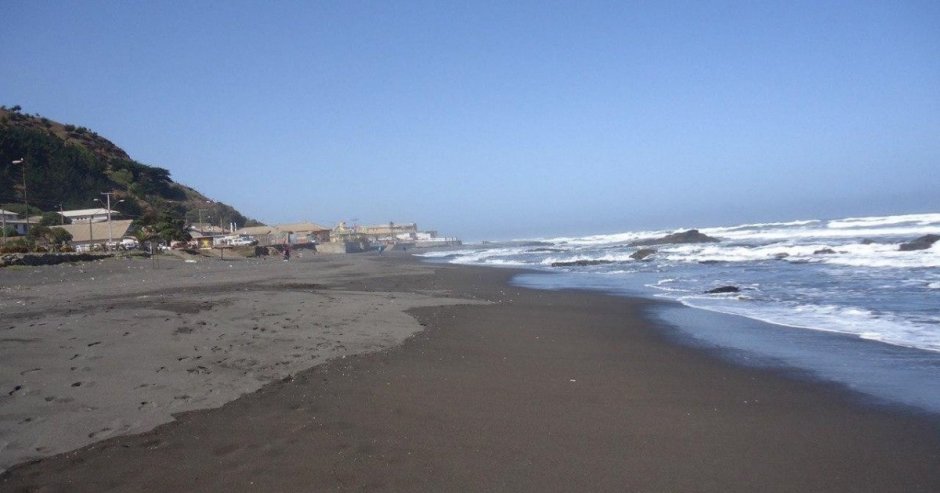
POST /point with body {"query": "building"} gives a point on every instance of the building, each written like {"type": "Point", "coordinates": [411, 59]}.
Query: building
{"type": "Point", "coordinates": [307, 232]}
{"type": "Point", "coordinates": [206, 229]}
{"type": "Point", "coordinates": [85, 235]}
{"type": "Point", "coordinates": [294, 233]}
{"type": "Point", "coordinates": [12, 219]}
{"type": "Point", "coordinates": [388, 231]}
{"type": "Point", "coordinates": [89, 215]}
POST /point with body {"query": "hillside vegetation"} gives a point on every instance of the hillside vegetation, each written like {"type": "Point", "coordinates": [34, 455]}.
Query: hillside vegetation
{"type": "Point", "coordinates": [69, 166]}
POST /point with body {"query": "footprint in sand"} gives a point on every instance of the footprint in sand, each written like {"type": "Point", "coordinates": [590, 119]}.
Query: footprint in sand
{"type": "Point", "coordinates": [225, 450]}
{"type": "Point", "coordinates": [98, 433]}
{"type": "Point", "coordinates": [201, 370]}
{"type": "Point", "coordinates": [152, 444]}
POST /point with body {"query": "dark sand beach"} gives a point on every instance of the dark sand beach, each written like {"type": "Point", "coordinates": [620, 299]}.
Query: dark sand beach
{"type": "Point", "coordinates": [531, 391]}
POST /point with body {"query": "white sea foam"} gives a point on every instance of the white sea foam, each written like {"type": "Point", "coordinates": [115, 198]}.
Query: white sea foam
{"type": "Point", "coordinates": [616, 238]}
{"type": "Point", "coordinates": [821, 233]}
{"type": "Point", "coordinates": [868, 222]}
{"type": "Point", "coordinates": [827, 318]}
{"type": "Point", "coordinates": [911, 225]}
{"type": "Point", "coordinates": [447, 253]}
{"type": "Point", "coordinates": [885, 256]}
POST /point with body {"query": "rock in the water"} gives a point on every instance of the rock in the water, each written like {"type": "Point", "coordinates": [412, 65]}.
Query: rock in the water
{"type": "Point", "coordinates": [690, 236]}
{"type": "Point", "coordinates": [781, 255]}
{"type": "Point", "coordinates": [724, 289]}
{"type": "Point", "coordinates": [581, 263]}
{"type": "Point", "coordinates": [867, 241]}
{"type": "Point", "coordinates": [824, 251]}
{"type": "Point", "coordinates": [642, 253]}
{"type": "Point", "coordinates": [922, 243]}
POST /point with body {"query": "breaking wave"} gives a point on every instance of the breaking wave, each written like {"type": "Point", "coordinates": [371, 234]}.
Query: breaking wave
{"type": "Point", "coordinates": [844, 275]}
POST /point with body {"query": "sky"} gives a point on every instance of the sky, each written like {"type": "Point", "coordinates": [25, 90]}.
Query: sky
{"type": "Point", "coordinates": [500, 120]}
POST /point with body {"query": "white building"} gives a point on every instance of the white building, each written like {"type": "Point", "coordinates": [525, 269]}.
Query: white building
{"type": "Point", "coordinates": [12, 219]}
{"type": "Point", "coordinates": [89, 215]}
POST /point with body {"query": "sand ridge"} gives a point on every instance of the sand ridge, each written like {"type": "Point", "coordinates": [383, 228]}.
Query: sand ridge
{"type": "Point", "coordinates": [90, 351]}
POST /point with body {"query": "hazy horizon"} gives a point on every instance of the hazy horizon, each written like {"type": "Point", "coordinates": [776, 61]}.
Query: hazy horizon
{"type": "Point", "coordinates": [490, 121]}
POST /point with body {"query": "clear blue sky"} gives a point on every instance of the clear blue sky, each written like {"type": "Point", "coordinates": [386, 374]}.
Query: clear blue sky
{"type": "Point", "coordinates": [494, 120]}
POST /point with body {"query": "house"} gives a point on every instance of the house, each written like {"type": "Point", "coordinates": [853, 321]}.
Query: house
{"type": "Point", "coordinates": [93, 233]}
{"type": "Point", "coordinates": [89, 215]}
{"type": "Point", "coordinates": [307, 232]}
{"type": "Point", "coordinates": [205, 234]}
{"type": "Point", "coordinates": [12, 219]}
{"type": "Point", "coordinates": [205, 229]}
{"type": "Point", "coordinates": [294, 233]}
{"type": "Point", "coordinates": [389, 231]}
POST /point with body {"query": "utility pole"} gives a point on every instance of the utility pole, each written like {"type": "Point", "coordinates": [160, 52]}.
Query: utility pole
{"type": "Point", "coordinates": [110, 238]}
{"type": "Point", "coordinates": [25, 201]}
{"type": "Point", "coordinates": [61, 216]}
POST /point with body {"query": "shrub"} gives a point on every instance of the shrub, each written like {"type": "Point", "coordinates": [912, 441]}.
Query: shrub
{"type": "Point", "coordinates": [15, 246]}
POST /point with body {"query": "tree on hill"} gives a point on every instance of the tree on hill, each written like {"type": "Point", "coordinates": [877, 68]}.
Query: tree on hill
{"type": "Point", "coordinates": [70, 165]}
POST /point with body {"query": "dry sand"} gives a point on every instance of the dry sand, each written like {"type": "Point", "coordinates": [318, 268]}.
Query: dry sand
{"type": "Point", "coordinates": [95, 350]}
{"type": "Point", "coordinates": [533, 391]}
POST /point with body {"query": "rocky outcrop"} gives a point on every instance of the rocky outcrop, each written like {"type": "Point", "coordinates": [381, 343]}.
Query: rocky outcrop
{"type": "Point", "coordinates": [922, 243]}
{"type": "Point", "coordinates": [642, 253]}
{"type": "Point", "coordinates": [581, 263]}
{"type": "Point", "coordinates": [690, 236]}
{"type": "Point", "coordinates": [724, 289]}
{"type": "Point", "coordinates": [824, 251]}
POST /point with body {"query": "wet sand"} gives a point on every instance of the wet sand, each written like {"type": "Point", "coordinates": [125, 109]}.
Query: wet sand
{"type": "Point", "coordinates": [535, 390]}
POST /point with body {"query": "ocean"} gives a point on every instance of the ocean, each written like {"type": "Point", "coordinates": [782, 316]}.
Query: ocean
{"type": "Point", "coordinates": [833, 299]}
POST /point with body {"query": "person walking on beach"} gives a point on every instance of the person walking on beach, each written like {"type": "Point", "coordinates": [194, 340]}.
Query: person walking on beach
{"type": "Point", "coordinates": [286, 252]}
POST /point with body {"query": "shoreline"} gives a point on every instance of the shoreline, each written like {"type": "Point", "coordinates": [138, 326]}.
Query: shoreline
{"type": "Point", "coordinates": [535, 390]}
{"type": "Point", "coordinates": [877, 373]}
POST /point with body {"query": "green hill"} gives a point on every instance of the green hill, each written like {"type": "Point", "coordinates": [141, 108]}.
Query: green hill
{"type": "Point", "coordinates": [69, 166]}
